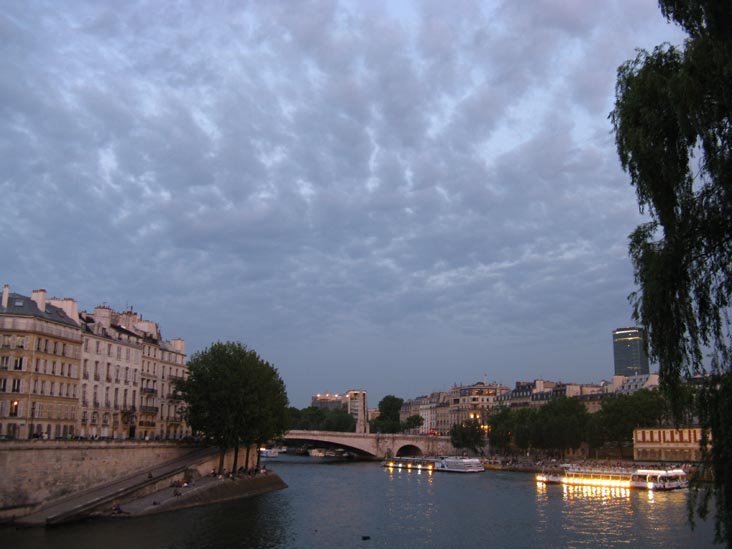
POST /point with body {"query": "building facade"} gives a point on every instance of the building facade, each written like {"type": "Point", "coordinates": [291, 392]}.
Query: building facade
{"type": "Point", "coordinates": [629, 352]}
{"type": "Point", "coordinates": [106, 374]}
{"type": "Point", "coordinates": [40, 350]}
{"type": "Point", "coordinates": [667, 444]}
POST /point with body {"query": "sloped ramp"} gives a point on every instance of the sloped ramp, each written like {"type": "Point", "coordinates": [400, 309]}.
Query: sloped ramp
{"type": "Point", "coordinates": [81, 503]}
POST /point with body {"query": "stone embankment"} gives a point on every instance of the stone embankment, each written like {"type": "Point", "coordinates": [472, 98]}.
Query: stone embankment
{"type": "Point", "coordinates": [204, 491]}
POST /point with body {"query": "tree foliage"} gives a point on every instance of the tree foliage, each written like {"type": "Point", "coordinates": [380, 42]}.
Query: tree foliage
{"type": "Point", "coordinates": [388, 420]}
{"type": "Point", "coordinates": [319, 419]}
{"type": "Point", "coordinates": [412, 422]}
{"type": "Point", "coordinates": [233, 397]}
{"type": "Point", "coordinates": [673, 132]}
{"type": "Point", "coordinates": [619, 415]}
{"type": "Point", "coordinates": [559, 425]}
{"type": "Point", "coordinates": [468, 435]}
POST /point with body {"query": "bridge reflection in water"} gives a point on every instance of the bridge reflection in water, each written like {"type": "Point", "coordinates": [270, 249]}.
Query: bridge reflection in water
{"type": "Point", "coordinates": [374, 445]}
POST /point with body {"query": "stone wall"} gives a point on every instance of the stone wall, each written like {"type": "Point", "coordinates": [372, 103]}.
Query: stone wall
{"type": "Point", "coordinates": [34, 472]}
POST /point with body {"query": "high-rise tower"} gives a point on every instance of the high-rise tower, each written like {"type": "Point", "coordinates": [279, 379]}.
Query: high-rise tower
{"type": "Point", "coordinates": [629, 352]}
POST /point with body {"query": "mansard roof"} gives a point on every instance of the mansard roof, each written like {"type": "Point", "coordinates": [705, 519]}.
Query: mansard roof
{"type": "Point", "coordinates": [21, 305]}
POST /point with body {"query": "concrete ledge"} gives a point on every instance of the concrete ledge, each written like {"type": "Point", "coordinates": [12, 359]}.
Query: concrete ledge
{"type": "Point", "coordinates": [205, 491]}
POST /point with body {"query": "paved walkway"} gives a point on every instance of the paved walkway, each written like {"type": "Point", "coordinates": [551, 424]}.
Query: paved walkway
{"type": "Point", "coordinates": [74, 505]}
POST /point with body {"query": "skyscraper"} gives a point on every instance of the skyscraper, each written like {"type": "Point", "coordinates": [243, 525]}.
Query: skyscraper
{"type": "Point", "coordinates": [629, 352]}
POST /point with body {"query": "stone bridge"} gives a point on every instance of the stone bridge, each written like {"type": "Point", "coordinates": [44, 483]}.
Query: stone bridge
{"type": "Point", "coordinates": [378, 445]}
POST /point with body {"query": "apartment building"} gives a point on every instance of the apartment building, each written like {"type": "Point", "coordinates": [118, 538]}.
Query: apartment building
{"type": "Point", "coordinates": [65, 373]}
{"type": "Point", "coordinates": [40, 350]}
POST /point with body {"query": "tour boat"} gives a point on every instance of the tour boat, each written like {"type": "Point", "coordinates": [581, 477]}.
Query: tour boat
{"type": "Point", "coordinates": [644, 479]}
{"type": "Point", "coordinates": [268, 452]}
{"type": "Point", "coordinates": [410, 464]}
{"type": "Point", "coordinates": [459, 465]}
{"type": "Point", "coordinates": [316, 452]}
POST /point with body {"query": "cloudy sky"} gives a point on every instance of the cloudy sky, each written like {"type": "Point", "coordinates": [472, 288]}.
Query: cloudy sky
{"type": "Point", "coordinates": [394, 196]}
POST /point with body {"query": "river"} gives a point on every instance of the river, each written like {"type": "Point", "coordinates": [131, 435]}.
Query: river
{"type": "Point", "coordinates": [361, 504]}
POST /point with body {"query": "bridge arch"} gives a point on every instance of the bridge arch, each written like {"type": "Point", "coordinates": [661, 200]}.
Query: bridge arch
{"type": "Point", "coordinates": [409, 450]}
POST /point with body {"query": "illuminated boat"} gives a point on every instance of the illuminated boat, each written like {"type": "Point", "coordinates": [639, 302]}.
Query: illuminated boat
{"type": "Point", "coordinates": [410, 464]}
{"type": "Point", "coordinates": [269, 452]}
{"type": "Point", "coordinates": [643, 479]}
{"type": "Point", "coordinates": [459, 465]}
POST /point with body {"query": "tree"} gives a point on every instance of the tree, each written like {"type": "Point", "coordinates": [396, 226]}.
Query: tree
{"type": "Point", "coordinates": [232, 396]}
{"type": "Point", "coordinates": [501, 429]}
{"type": "Point", "coordinates": [469, 435]}
{"type": "Point", "coordinates": [388, 420]}
{"type": "Point", "coordinates": [560, 424]}
{"type": "Point", "coordinates": [412, 422]}
{"type": "Point", "coordinates": [619, 415]}
{"type": "Point", "coordinates": [673, 132]}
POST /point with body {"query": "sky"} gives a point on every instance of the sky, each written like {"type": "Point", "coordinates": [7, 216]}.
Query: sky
{"type": "Point", "coordinates": [383, 195]}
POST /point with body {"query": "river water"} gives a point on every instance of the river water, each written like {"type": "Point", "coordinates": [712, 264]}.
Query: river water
{"type": "Point", "coordinates": [362, 504]}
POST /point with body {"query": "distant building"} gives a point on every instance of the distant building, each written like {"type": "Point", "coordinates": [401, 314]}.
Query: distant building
{"type": "Point", "coordinates": [629, 352]}
{"type": "Point", "coordinates": [327, 401]}
{"type": "Point", "coordinates": [355, 402]}
{"type": "Point", "coordinates": [667, 444]}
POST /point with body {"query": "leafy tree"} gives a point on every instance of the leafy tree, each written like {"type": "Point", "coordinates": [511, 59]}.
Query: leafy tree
{"type": "Point", "coordinates": [525, 427]}
{"type": "Point", "coordinates": [620, 414]}
{"type": "Point", "coordinates": [673, 132]}
{"type": "Point", "coordinates": [319, 419]}
{"type": "Point", "coordinates": [340, 421]}
{"type": "Point", "coordinates": [388, 420]}
{"type": "Point", "coordinates": [412, 422]}
{"type": "Point", "coordinates": [232, 396]}
{"type": "Point", "coordinates": [560, 424]}
{"type": "Point", "coordinates": [501, 425]}
{"type": "Point", "coordinates": [468, 434]}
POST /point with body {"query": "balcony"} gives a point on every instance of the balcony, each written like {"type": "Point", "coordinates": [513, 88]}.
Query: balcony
{"type": "Point", "coordinates": [96, 404]}
{"type": "Point", "coordinates": [175, 396]}
{"type": "Point", "coordinates": [147, 424]}
{"type": "Point", "coordinates": [149, 409]}
{"type": "Point", "coordinates": [149, 391]}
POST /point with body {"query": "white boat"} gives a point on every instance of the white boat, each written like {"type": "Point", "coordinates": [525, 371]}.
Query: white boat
{"type": "Point", "coordinates": [643, 479]}
{"type": "Point", "coordinates": [268, 452]}
{"type": "Point", "coordinates": [316, 452]}
{"type": "Point", "coordinates": [459, 465]}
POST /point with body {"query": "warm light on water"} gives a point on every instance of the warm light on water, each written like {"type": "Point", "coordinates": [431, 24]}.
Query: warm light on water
{"type": "Point", "coordinates": [367, 505]}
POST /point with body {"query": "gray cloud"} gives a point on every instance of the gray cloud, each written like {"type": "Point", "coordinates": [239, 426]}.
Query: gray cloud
{"type": "Point", "coordinates": [395, 196]}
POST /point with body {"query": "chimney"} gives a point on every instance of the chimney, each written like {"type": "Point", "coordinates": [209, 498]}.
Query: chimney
{"type": "Point", "coordinates": [6, 294]}
{"type": "Point", "coordinates": [39, 296]}
{"type": "Point", "coordinates": [69, 306]}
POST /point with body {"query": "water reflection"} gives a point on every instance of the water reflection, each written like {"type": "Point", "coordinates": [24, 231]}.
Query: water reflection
{"type": "Point", "coordinates": [341, 505]}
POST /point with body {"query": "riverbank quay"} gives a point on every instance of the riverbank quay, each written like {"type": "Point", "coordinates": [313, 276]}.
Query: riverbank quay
{"type": "Point", "coordinates": [204, 491]}
{"type": "Point", "coordinates": [38, 473]}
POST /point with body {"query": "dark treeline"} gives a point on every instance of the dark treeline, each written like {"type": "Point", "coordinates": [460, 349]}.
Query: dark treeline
{"type": "Point", "coordinates": [319, 419]}
{"type": "Point", "coordinates": [564, 423]}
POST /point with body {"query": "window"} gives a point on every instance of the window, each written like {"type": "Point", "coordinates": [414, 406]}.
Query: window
{"type": "Point", "coordinates": [14, 408]}
{"type": "Point", "coordinates": [16, 385]}
{"type": "Point", "coordinates": [21, 342]}
{"type": "Point", "coordinates": [4, 362]}
{"type": "Point", "coordinates": [18, 363]}
{"type": "Point", "coordinates": [3, 384]}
